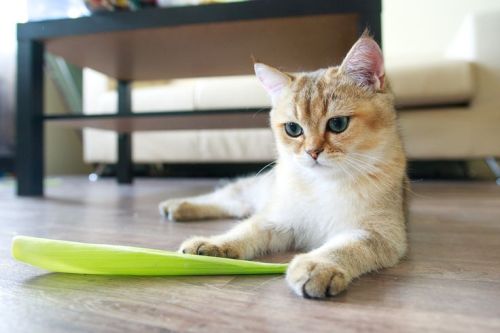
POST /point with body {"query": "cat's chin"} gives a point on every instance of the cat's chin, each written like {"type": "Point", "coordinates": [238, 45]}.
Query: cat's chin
{"type": "Point", "coordinates": [311, 164]}
{"type": "Point", "coordinates": [331, 169]}
{"type": "Point", "coordinates": [322, 167]}
{"type": "Point", "coordinates": [320, 163]}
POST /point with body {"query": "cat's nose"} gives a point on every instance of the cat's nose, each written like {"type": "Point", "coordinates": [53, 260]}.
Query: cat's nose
{"type": "Point", "coordinates": [314, 153]}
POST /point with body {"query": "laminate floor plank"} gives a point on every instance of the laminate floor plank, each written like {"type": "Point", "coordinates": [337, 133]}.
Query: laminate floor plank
{"type": "Point", "coordinates": [449, 281]}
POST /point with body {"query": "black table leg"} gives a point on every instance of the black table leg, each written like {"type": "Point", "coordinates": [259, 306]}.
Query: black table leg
{"type": "Point", "coordinates": [29, 119]}
{"type": "Point", "coordinates": [124, 166]}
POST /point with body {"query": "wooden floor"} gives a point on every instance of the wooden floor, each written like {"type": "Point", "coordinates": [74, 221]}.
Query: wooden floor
{"type": "Point", "coordinates": [450, 281]}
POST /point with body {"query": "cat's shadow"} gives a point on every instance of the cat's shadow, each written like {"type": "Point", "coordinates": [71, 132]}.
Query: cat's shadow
{"type": "Point", "coordinates": [370, 288]}
{"type": "Point", "coordinates": [64, 286]}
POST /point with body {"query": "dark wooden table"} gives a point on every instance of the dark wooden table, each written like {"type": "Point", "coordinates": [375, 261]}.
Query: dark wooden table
{"type": "Point", "coordinates": [182, 42]}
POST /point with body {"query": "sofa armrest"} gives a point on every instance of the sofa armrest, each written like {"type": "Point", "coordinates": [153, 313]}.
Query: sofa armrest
{"type": "Point", "coordinates": [477, 41]}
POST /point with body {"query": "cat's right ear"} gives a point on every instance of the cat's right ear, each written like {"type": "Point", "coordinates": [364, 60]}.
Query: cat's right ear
{"type": "Point", "coordinates": [272, 79]}
{"type": "Point", "coordinates": [365, 64]}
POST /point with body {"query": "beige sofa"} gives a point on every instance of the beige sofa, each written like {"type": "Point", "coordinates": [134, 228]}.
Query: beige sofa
{"type": "Point", "coordinates": [450, 107]}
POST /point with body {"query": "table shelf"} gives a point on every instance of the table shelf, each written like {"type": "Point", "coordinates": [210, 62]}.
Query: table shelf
{"type": "Point", "coordinates": [168, 120]}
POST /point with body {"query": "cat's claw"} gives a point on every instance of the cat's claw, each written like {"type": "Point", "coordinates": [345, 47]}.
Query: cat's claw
{"type": "Point", "coordinates": [167, 209]}
{"type": "Point", "coordinates": [315, 278]}
{"type": "Point", "coordinates": [178, 210]}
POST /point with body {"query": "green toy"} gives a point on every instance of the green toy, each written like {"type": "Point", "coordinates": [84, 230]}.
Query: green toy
{"type": "Point", "coordinates": [83, 258]}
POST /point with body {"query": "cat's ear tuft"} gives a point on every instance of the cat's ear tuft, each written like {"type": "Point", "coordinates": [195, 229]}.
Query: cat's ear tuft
{"type": "Point", "coordinates": [272, 79]}
{"type": "Point", "coordinates": [365, 63]}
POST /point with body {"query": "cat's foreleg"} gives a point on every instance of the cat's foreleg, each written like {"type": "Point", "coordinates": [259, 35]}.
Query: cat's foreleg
{"type": "Point", "coordinates": [248, 239]}
{"type": "Point", "coordinates": [328, 270]}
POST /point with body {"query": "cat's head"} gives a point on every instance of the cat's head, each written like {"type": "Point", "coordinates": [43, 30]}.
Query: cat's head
{"type": "Point", "coordinates": [338, 119]}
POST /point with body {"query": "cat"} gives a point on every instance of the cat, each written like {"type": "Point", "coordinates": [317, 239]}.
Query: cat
{"type": "Point", "coordinates": [337, 189]}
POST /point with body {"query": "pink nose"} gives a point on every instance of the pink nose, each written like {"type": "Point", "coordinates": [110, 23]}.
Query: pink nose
{"type": "Point", "coordinates": [314, 153]}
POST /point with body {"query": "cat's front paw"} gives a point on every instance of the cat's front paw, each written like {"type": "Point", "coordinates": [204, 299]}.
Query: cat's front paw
{"type": "Point", "coordinates": [206, 247]}
{"type": "Point", "coordinates": [312, 277]}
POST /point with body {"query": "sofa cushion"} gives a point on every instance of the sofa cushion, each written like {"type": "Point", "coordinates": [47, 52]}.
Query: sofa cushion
{"type": "Point", "coordinates": [230, 92]}
{"type": "Point", "coordinates": [174, 96]}
{"type": "Point", "coordinates": [242, 145]}
{"type": "Point", "coordinates": [432, 83]}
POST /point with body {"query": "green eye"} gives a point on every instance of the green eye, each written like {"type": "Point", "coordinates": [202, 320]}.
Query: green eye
{"type": "Point", "coordinates": [293, 129]}
{"type": "Point", "coordinates": [338, 124]}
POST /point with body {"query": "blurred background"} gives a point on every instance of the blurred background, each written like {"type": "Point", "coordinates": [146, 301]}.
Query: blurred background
{"type": "Point", "coordinates": [442, 57]}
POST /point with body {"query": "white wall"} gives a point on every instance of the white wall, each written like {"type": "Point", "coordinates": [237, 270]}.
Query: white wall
{"type": "Point", "coordinates": [425, 28]}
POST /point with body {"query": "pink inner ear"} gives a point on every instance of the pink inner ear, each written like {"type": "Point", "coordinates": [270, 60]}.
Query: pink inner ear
{"type": "Point", "coordinates": [365, 63]}
{"type": "Point", "coordinates": [271, 86]}
{"type": "Point", "coordinates": [272, 79]}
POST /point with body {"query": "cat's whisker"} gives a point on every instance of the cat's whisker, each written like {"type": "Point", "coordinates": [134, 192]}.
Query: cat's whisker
{"type": "Point", "coordinates": [361, 172]}
{"type": "Point", "coordinates": [361, 156]}
{"type": "Point", "coordinates": [375, 168]}
{"type": "Point", "coordinates": [259, 111]}
{"type": "Point", "coordinates": [364, 172]}
{"type": "Point", "coordinates": [347, 172]}
{"type": "Point", "coordinates": [366, 167]}
{"type": "Point", "coordinates": [407, 187]}
{"type": "Point", "coordinates": [369, 168]}
{"type": "Point", "coordinates": [265, 167]}
{"type": "Point", "coordinates": [373, 158]}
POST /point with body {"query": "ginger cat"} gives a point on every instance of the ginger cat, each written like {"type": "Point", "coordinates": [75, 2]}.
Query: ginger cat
{"type": "Point", "coordinates": [338, 187]}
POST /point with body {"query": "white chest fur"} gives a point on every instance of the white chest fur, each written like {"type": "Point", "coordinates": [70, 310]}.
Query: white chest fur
{"type": "Point", "coordinates": [314, 209]}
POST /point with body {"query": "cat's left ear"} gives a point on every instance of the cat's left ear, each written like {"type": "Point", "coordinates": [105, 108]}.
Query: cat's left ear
{"type": "Point", "coordinates": [365, 63]}
{"type": "Point", "coordinates": [272, 79]}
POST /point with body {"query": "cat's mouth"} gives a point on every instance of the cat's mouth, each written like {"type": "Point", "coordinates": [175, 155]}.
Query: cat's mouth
{"type": "Point", "coordinates": [310, 163]}
{"type": "Point", "coordinates": [325, 163]}
{"type": "Point", "coordinates": [317, 164]}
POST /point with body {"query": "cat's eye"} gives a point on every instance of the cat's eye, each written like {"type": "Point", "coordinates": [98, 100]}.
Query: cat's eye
{"type": "Point", "coordinates": [338, 124]}
{"type": "Point", "coordinates": [293, 129]}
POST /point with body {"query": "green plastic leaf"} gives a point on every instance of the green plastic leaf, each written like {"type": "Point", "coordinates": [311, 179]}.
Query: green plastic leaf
{"type": "Point", "coordinates": [84, 258]}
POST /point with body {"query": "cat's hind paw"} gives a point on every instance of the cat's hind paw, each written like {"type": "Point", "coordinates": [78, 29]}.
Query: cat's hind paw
{"type": "Point", "coordinates": [184, 210]}
{"type": "Point", "coordinates": [311, 277]}
{"type": "Point", "coordinates": [170, 209]}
